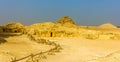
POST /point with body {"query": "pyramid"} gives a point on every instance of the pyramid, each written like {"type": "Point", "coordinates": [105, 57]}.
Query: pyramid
{"type": "Point", "coordinates": [107, 25]}
{"type": "Point", "coordinates": [65, 19]}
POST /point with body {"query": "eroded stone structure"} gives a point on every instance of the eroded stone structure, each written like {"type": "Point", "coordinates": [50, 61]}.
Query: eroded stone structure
{"type": "Point", "coordinates": [13, 27]}
{"type": "Point", "coordinates": [65, 27]}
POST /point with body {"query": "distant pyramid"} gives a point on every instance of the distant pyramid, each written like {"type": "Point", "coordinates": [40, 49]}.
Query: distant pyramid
{"type": "Point", "coordinates": [107, 25]}
{"type": "Point", "coordinates": [65, 19]}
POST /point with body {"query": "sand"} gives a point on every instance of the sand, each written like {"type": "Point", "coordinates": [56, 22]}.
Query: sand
{"type": "Point", "coordinates": [79, 44]}
{"type": "Point", "coordinates": [20, 46]}
{"type": "Point", "coordinates": [74, 49]}
{"type": "Point", "coordinates": [83, 50]}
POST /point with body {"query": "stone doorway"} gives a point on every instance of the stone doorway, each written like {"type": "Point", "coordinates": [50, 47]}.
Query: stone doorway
{"type": "Point", "coordinates": [51, 34]}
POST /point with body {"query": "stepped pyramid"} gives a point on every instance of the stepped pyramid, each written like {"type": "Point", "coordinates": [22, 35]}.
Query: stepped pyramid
{"type": "Point", "coordinates": [65, 19]}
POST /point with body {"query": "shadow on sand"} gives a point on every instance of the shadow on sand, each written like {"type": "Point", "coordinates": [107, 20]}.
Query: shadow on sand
{"type": "Point", "coordinates": [6, 35]}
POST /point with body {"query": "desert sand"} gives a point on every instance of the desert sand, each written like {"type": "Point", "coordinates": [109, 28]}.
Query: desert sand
{"type": "Point", "coordinates": [63, 41]}
{"type": "Point", "coordinates": [74, 50]}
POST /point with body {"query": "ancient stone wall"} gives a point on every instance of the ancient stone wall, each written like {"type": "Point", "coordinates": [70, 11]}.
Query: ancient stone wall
{"type": "Point", "coordinates": [51, 33]}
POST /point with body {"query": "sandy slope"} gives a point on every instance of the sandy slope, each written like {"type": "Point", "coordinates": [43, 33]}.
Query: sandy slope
{"type": "Point", "coordinates": [74, 49]}
{"type": "Point", "coordinates": [20, 46]}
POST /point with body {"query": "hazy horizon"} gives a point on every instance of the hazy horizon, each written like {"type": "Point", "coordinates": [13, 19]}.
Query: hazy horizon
{"type": "Point", "coordinates": [83, 12]}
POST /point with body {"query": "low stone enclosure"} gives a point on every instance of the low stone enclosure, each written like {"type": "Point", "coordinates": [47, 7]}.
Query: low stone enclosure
{"type": "Point", "coordinates": [53, 34]}
{"type": "Point", "coordinates": [41, 55]}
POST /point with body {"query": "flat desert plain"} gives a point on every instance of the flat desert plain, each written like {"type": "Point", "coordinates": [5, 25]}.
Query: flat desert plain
{"type": "Point", "coordinates": [84, 50]}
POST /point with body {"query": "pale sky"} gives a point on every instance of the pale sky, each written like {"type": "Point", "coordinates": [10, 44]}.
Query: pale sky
{"type": "Point", "coordinates": [83, 12]}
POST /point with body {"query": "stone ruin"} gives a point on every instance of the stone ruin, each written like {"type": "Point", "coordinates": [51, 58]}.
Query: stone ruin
{"type": "Point", "coordinates": [49, 29]}
{"type": "Point", "coordinates": [64, 27]}
{"type": "Point", "coordinates": [13, 27]}
{"type": "Point", "coordinates": [53, 31]}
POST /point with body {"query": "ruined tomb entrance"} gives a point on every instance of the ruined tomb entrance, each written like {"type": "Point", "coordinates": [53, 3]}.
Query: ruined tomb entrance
{"type": "Point", "coordinates": [51, 34]}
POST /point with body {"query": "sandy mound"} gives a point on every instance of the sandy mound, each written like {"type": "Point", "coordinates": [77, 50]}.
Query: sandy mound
{"type": "Point", "coordinates": [107, 25]}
